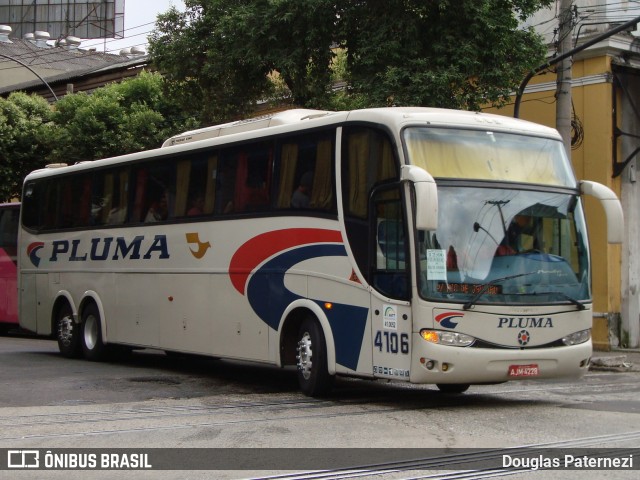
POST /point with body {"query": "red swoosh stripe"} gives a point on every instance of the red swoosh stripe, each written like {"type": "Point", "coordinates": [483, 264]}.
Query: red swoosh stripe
{"type": "Point", "coordinates": [265, 245]}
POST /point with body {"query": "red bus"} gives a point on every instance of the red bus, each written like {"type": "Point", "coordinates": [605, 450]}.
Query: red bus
{"type": "Point", "coordinates": [9, 216]}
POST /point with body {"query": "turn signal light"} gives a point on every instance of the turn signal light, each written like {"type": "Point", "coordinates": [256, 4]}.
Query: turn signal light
{"type": "Point", "coordinates": [430, 336]}
{"type": "Point", "coordinates": [447, 338]}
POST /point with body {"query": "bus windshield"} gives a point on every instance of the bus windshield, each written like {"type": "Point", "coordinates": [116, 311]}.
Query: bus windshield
{"type": "Point", "coordinates": [525, 243]}
{"type": "Point", "coordinates": [511, 244]}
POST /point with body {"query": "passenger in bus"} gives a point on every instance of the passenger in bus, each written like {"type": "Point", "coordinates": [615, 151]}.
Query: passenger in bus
{"type": "Point", "coordinates": [158, 210]}
{"type": "Point", "coordinates": [196, 205]}
{"type": "Point", "coordinates": [116, 216]}
{"type": "Point", "coordinates": [302, 195]}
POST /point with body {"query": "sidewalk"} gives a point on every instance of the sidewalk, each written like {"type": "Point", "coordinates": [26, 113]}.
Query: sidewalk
{"type": "Point", "coordinates": [618, 360]}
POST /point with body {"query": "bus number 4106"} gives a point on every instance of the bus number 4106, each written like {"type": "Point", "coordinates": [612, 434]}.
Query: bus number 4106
{"type": "Point", "coordinates": [389, 342]}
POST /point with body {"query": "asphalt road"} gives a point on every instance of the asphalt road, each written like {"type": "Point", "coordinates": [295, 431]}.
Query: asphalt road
{"type": "Point", "coordinates": [182, 404]}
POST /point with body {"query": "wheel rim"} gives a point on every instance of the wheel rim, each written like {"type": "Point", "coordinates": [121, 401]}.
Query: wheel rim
{"type": "Point", "coordinates": [305, 353]}
{"type": "Point", "coordinates": [65, 330]}
{"type": "Point", "coordinates": [91, 331]}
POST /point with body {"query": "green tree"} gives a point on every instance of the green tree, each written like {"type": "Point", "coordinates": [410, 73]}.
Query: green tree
{"type": "Point", "coordinates": [454, 54]}
{"type": "Point", "coordinates": [114, 120]}
{"type": "Point", "coordinates": [220, 54]}
{"type": "Point", "coordinates": [24, 140]}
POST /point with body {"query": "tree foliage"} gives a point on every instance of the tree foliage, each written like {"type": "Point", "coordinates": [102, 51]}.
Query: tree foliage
{"type": "Point", "coordinates": [114, 120]}
{"type": "Point", "coordinates": [224, 51]}
{"type": "Point", "coordinates": [24, 140]}
{"type": "Point", "coordinates": [221, 54]}
{"type": "Point", "coordinates": [455, 54]}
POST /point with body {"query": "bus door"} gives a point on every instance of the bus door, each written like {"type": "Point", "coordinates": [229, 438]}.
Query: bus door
{"type": "Point", "coordinates": [390, 306]}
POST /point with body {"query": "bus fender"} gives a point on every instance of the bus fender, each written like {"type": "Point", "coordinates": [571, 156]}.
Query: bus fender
{"type": "Point", "coordinates": [67, 296]}
{"type": "Point", "coordinates": [90, 294]}
{"type": "Point", "coordinates": [324, 324]}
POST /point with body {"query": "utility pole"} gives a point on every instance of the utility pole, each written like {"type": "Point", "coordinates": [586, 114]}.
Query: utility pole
{"type": "Point", "coordinates": [563, 92]}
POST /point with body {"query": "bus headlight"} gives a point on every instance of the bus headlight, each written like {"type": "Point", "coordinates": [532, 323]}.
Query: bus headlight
{"type": "Point", "coordinates": [447, 338]}
{"type": "Point", "coordinates": [577, 338]}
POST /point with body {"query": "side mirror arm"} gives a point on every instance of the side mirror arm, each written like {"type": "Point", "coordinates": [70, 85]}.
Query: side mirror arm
{"type": "Point", "coordinates": [612, 208]}
{"type": "Point", "coordinates": [426, 196]}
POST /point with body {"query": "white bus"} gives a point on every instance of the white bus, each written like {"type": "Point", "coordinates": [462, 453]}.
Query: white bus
{"type": "Point", "coordinates": [413, 244]}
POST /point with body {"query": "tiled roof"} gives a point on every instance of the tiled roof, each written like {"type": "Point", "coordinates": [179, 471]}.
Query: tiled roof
{"type": "Point", "coordinates": [57, 58]}
{"type": "Point", "coordinates": [56, 64]}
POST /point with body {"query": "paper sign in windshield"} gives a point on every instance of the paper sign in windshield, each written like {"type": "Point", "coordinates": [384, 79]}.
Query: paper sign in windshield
{"type": "Point", "coordinates": [437, 264]}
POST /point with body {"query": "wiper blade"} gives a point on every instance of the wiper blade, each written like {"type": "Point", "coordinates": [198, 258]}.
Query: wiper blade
{"type": "Point", "coordinates": [572, 300]}
{"type": "Point", "coordinates": [486, 286]}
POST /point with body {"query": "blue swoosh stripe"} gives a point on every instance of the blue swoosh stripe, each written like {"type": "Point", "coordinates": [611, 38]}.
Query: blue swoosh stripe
{"type": "Point", "coordinates": [269, 298]}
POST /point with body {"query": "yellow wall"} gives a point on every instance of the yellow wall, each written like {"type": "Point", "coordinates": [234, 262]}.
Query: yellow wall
{"type": "Point", "coordinates": [591, 161]}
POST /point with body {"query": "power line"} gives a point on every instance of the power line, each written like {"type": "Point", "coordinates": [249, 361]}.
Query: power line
{"type": "Point", "coordinates": [36, 56]}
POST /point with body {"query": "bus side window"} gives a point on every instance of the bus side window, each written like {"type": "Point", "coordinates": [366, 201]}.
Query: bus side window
{"type": "Point", "coordinates": [225, 184]}
{"type": "Point", "coordinates": [9, 231]}
{"type": "Point", "coordinates": [110, 197]}
{"type": "Point", "coordinates": [195, 185]}
{"type": "Point", "coordinates": [368, 161]}
{"type": "Point", "coordinates": [31, 205]}
{"type": "Point", "coordinates": [253, 178]}
{"type": "Point", "coordinates": [304, 172]}
{"type": "Point", "coordinates": [155, 192]}
{"type": "Point", "coordinates": [389, 267]}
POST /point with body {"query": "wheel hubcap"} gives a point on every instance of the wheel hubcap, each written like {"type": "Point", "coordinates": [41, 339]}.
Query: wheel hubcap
{"type": "Point", "coordinates": [304, 356]}
{"type": "Point", "coordinates": [91, 332]}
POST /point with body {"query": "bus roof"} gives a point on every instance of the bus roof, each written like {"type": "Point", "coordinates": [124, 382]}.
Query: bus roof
{"type": "Point", "coordinates": [291, 120]}
{"type": "Point", "coordinates": [248, 125]}
{"type": "Point", "coordinates": [399, 116]}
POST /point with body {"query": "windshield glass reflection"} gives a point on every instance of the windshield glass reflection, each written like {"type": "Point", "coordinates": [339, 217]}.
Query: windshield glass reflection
{"type": "Point", "coordinates": [531, 246]}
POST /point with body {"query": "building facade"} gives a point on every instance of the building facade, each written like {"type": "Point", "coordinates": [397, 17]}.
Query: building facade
{"type": "Point", "coordinates": [605, 92]}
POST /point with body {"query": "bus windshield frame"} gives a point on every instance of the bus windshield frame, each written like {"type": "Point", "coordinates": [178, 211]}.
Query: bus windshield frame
{"type": "Point", "coordinates": [511, 227]}
{"type": "Point", "coordinates": [531, 246]}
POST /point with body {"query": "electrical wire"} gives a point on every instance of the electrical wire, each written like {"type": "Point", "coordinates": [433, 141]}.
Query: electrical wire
{"type": "Point", "coordinates": [40, 57]}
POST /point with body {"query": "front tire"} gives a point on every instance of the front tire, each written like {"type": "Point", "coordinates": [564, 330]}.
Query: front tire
{"type": "Point", "coordinates": [313, 376]}
{"type": "Point", "coordinates": [92, 346]}
{"type": "Point", "coordinates": [68, 333]}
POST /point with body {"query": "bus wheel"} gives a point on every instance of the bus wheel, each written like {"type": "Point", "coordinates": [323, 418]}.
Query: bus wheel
{"type": "Point", "coordinates": [92, 345]}
{"type": "Point", "coordinates": [453, 387]}
{"type": "Point", "coordinates": [313, 376]}
{"type": "Point", "coordinates": [68, 333]}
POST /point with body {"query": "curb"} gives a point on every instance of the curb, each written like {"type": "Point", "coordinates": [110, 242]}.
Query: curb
{"type": "Point", "coordinates": [613, 363]}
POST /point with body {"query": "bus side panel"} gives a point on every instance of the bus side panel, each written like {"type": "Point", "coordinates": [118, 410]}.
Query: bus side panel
{"type": "Point", "coordinates": [35, 303]}
{"type": "Point", "coordinates": [28, 315]}
{"type": "Point", "coordinates": [183, 313]}
{"type": "Point", "coordinates": [349, 318]}
{"type": "Point", "coordinates": [137, 309]}
{"type": "Point", "coordinates": [237, 331]}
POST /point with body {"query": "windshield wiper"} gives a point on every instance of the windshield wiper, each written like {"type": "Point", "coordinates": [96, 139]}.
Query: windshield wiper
{"type": "Point", "coordinates": [486, 286]}
{"type": "Point", "coordinates": [572, 300]}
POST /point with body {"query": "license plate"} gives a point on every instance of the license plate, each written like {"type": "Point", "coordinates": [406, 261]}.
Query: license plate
{"type": "Point", "coordinates": [524, 370]}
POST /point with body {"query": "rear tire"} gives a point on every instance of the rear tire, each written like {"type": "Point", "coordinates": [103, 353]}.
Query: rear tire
{"type": "Point", "coordinates": [68, 333]}
{"type": "Point", "coordinates": [92, 346]}
{"type": "Point", "coordinates": [313, 375]}
{"type": "Point", "coordinates": [453, 387]}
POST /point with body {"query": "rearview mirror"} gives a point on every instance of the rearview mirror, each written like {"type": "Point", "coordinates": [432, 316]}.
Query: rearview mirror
{"type": "Point", "coordinates": [426, 196]}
